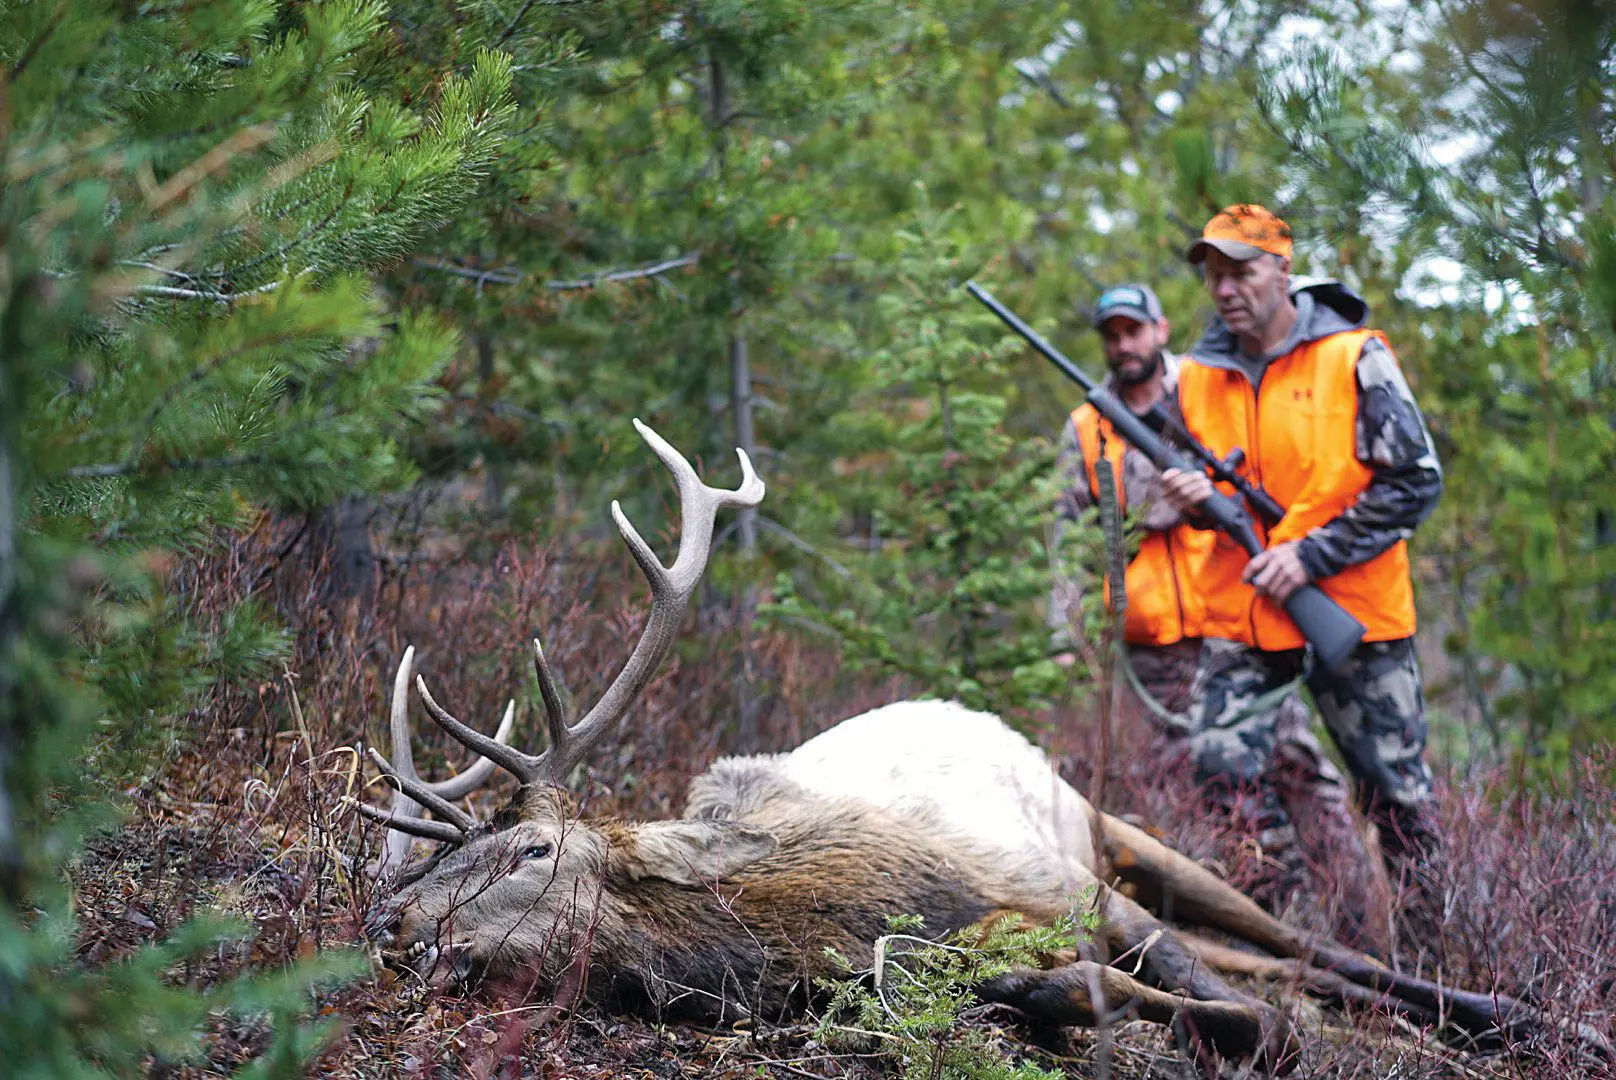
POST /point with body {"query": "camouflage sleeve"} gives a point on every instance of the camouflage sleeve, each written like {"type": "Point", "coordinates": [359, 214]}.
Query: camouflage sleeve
{"type": "Point", "coordinates": [1075, 497]}
{"type": "Point", "coordinates": [1393, 441]}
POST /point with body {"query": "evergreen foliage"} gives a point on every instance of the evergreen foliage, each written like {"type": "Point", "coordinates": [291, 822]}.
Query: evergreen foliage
{"type": "Point", "coordinates": [946, 589]}
{"type": "Point", "coordinates": [1488, 166]}
{"type": "Point", "coordinates": [276, 256]}
{"type": "Point", "coordinates": [193, 200]}
{"type": "Point", "coordinates": [909, 1006]}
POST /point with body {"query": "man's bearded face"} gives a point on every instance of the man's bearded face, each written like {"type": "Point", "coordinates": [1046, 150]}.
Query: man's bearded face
{"type": "Point", "coordinates": [1133, 350]}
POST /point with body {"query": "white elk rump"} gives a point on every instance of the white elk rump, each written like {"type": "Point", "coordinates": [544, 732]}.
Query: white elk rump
{"type": "Point", "coordinates": [920, 808]}
{"type": "Point", "coordinates": [968, 771]}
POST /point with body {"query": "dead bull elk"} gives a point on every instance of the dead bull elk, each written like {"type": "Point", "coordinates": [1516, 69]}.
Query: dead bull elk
{"type": "Point", "coordinates": [919, 808]}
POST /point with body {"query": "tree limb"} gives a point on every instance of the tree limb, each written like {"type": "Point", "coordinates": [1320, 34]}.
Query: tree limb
{"type": "Point", "coordinates": [501, 276]}
{"type": "Point", "coordinates": [126, 468]}
{"type": "Point", "coordinates": [770, 525]}
{"type": "Point", "coordinates": [510, 275]}
{"type": "Point", "coordinates": [654, 270]}
{"type": "Point", "coordinates": [203, 294]}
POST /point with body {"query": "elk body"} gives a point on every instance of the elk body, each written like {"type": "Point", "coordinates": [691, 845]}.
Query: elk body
{"type": "Point", "coordinates": [919, 808]}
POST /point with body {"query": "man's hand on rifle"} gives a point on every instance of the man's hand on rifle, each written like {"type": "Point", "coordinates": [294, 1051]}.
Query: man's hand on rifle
{"type": "Point", "coordinates": [1185, 490]}
{"type": "Point", "coordinates": [1277, 572]}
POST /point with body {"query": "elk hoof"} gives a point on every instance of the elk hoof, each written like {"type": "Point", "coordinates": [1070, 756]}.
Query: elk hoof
{"type": "Point", "coordinates": [1281, 1051]}
{"type": "Point", "coordinates": [1237, 1031]}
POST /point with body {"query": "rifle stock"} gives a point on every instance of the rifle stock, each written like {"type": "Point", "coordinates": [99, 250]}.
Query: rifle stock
{"type": "Point", "coordinates": [1328, 627]}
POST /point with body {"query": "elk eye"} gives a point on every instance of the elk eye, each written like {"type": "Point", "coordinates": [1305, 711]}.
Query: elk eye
{"type": "Point", "coordinates": [537, 851]}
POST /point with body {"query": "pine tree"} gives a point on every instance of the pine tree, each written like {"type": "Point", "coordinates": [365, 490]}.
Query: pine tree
{"type": "Point", "coordinates": [947, 589]}
{"type": "Point", "coordinates": [193, 198]}
{"type": "Point", "coordinates": [1487, 159]}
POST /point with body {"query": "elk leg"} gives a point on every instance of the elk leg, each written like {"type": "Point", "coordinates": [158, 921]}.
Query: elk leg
{"type": "Point", "coordinates": [1140, 940]}
{"type": "Point", "coordinates": [1067, 996]}
{"type": "Point", "coordinates": [1182, 889]}
{"type": "Point", "coordinates": [1171, 882]}
{"type": "Point", "coordinates": [1137, 936]}
{"type": "Point", "coordinates": [1326, 984]}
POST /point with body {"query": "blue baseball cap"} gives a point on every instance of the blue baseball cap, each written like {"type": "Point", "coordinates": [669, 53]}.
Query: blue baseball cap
{"type": "Point", "coordinates": [1134, 302]}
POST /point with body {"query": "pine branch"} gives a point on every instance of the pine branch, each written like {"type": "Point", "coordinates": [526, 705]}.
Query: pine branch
{"type": "Point", "coordinates": [1043, 82]}
{"type": "Point", "coordinates": [504, 276]}
{"type": "Point", "coordinates": [653, 270]}
{"type": "Point", "coordinates": [282, 251]}
{"type": "Point", "coordinates": [170, 271]}
{"type": "Point", "coordinates": [516, 21]}
{"type": "Point", "coordinates": [512, 276]}
{"type": "Point", "coordinates": [244, 141]}
{"type": "Point", "coordinates": [130, 468]}
{"type": "Point", "coordinates": [38, 43]}
{"type": "Point", "coordinates": [205, 294]}
{"type": "Point", "coordinates": [198, 374]}
{"type": "Point", "coordinates": [770, 525]}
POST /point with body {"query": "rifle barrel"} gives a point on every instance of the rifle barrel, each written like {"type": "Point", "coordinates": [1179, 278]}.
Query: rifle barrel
{"type": "Point", "coordinates": [1035, 339]}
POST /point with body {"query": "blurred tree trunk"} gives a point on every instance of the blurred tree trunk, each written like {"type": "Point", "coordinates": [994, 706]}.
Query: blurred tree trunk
{"type": "Point", "coordinates": [493, 470]}
{"type": "Point", "coordinates": [740, 401]}
{"type": "Point", "coordinates": [343, 530]}
{"type": "Point", "coordinates": [740, 398]}
{"type": "Point", "coordinates": [10, 624]}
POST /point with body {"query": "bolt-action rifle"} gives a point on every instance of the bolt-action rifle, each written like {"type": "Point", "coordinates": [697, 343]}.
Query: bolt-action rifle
{"type": "Point", "coordinates": [1326, 625]}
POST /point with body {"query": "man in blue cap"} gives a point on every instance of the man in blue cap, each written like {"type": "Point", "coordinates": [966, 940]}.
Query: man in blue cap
{"type": "Point", "coordinates": [1160, 625]}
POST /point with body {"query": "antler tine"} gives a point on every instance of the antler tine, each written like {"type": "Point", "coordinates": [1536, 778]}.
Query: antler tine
{"type": "Point", "coordinates": [525, 767]}
{"type": "Point", "coordinates": [422, 793]}
{"type": "Point", "coordinates": [671, 588]}
{"type": "Point", "coordinates": [398, 717]}
{"type": "Point", "coordinates": [426, 830]}
{"type": "Point", "coordinates": [407, 806]}
{"type": "Point", "coordinates": [555, 710]}
{"type": "Point", "coordinates": [458, 787]}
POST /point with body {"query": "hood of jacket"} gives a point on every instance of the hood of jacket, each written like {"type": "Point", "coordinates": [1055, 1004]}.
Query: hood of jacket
{"type": "Point", "coordinates": [1323, 308]}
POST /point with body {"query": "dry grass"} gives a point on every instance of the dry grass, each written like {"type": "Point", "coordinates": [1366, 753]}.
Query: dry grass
{"type": "Point", "coordinates": [247, 818]}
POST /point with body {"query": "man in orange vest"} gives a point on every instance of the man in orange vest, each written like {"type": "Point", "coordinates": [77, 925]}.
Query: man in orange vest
{"type": "Point", "coordinates": [1160, 624]}
{"type": "Point", "coordinates": [1330, 428]}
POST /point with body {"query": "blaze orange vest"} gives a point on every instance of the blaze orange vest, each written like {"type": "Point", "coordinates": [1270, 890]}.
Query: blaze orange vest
{"type": "Point", "coordinates": [1162, 606]}
{"type": "Point", "coordinates": [1299, 433]}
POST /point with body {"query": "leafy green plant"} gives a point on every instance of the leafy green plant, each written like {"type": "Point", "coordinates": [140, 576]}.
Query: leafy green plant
{"type": "Point", "coordinates": [912, 1002]}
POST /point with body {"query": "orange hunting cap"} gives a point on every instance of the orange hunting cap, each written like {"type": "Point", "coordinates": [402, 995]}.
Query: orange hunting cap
{"type": "Point", "coordinates": [1243, 231]}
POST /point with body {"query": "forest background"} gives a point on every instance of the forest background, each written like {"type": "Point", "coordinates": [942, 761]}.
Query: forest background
{"type": "Point", "coordinates": [366, 292]}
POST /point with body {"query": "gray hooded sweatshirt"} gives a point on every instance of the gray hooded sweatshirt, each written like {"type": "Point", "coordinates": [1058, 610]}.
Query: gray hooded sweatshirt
{"type": "Point", "coordinates": [1392, 439]}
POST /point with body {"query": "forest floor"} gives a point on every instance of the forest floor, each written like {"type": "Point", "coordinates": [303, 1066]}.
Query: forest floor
{"type": "Point", "coordinates": [246, 818]}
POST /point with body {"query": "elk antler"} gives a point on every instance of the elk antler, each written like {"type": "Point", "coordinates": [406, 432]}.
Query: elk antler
{"type": "Point", "coordinates": [411, 793]}
{"type": "Point", "coordinates": [671, 589]}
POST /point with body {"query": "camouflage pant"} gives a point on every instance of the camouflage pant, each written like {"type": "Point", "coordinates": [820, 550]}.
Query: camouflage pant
{"type": "Point", "coordinates": [1374, 709]}
{"type": "Point", "coordinates": [1167, 672]}
{"type": "Point", "coordinates": [1296, 763]}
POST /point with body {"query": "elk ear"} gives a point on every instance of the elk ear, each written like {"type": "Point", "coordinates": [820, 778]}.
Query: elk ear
{"type": "Point", "coordinates": [688, 852]}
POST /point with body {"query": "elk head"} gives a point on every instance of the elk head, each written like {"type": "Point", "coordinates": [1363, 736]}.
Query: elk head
{"type": "Point", "coordinates": [518, 891]}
